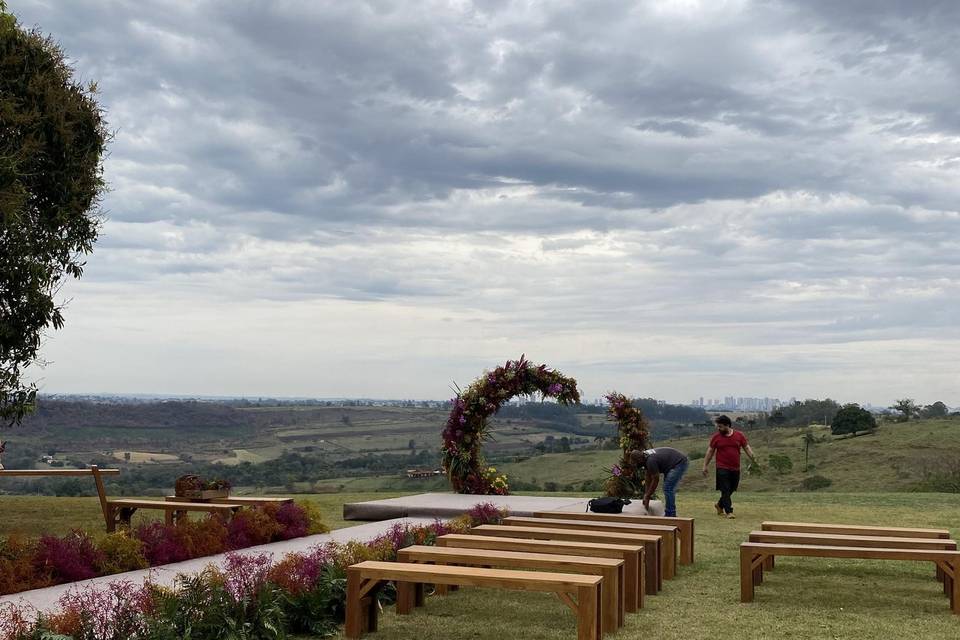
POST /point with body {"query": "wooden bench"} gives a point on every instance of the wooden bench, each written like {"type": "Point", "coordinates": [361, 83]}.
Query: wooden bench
{"type": "Point", "coordinates": [834, 540]}
{"type": "Point", "coordinates": [854, 530]}
{"type": "Point", "coordinates": [753, 555]}
{"type": "Point", "coordinates": [120, 510]}
{"type": "Point", "coordinates": [653, 580]}
{"type": "Point", "coordinates": [581, 593]}
{"type": "Point", "coordinates": [685, 526]}
{"type": "Point", "coordinates": [612, 595]}
{"type": "Point", "coordinates": [632, 556]}
{"type": "Point", "coordinates": [668, 548]}
{"type": "Point", "coordinates": [242, 501]}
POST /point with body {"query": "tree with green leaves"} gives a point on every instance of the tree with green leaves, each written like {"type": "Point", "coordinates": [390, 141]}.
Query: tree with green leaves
{"type": "Point", "coordinates": [52, 142]}
{"type": "Point", "coordinates": [906, 407]}
{"type": "Point", "coordinates": [852, 419]}
{"type": "Point", "coordinates": [935, 410]}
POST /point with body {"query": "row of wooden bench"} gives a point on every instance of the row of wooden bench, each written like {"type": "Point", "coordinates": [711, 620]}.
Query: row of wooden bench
{"type": "Point", "coordinates": [600, 565]}
{"type": "Point", "coordinates": [849, 541]}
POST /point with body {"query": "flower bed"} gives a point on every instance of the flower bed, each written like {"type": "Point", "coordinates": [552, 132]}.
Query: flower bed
{"type": "Point", "coordinates": [50, 560]}
{"type": "Point", "coordinates": [251, 596]}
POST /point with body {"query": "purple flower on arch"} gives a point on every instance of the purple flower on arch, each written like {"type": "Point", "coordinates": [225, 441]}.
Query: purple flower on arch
{"type": "Point", "coordinates": [617, 471]}
{"type": "Point", "coordinates": [555, 388]}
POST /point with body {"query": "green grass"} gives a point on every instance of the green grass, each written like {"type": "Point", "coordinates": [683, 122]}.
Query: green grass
{"type": "Point", "coordinates": [803, 598]}
{"type": "Point", "coordinates": [895, 458]}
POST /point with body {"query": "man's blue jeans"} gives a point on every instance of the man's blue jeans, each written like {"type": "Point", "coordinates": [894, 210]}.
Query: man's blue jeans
{"type": "Point", "coordinates": [670, 481]}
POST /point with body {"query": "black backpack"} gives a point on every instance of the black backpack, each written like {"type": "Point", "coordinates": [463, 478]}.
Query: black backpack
{"type": "Point", "coordinates": [607, 505]}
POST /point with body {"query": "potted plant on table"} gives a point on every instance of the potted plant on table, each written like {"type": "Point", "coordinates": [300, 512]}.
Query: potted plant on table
{"type": "Point", "coordinates": [196, 488]}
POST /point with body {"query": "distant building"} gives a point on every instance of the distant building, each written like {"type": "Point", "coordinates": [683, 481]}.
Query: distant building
{"type": "Point", "coordinates": [424, 473]}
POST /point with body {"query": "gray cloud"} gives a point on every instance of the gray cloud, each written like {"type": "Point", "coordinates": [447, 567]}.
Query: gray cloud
{"type": "Point", "coordinates": [631, 187]}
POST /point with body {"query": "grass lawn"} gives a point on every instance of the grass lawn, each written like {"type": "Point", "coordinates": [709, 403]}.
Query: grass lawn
{"type": "Point", "coordinates": [802, 598]}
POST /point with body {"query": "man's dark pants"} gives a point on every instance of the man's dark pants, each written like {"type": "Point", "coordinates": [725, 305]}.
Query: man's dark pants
{"type": "Point", "coordinates": [727, 482]}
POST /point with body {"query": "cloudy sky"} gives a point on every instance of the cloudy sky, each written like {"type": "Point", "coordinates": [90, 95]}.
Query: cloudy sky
{"type": "Point", "coordinates": [667, 198]}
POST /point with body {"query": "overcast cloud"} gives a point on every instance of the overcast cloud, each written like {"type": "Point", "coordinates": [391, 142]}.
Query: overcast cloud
{"type": "Point", "coordinates": [672, 198]}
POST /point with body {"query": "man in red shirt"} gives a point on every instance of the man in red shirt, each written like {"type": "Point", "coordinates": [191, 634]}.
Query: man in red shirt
{"type": "Point", "coordinates": [726, 444]}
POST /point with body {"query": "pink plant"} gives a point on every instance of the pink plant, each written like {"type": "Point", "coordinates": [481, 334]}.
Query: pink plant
{"type": "Point", "coordinates": [16, 620]}
{"type": "Point", "coordinates": [294, 520]}
{"type": "Point", "coordinates": [246, 574]}
{"type": "Point", "coordinates": [68, 559]}
{"type": "Point", "coordinates": [485, 513]}
{"type": "Point", "coordinates": [115, 610]}
{"type": "Point", "coordinates": [162, 543]}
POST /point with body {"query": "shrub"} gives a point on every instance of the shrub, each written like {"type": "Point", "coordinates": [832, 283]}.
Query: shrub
{"type": "Point", "coordinates": [486, 513]}
{"type": "Point", "coordinates": [68, 559]}
{"type": "Point", "coordinates": [119, 552]}
{"type": "Point", "coordinates": [204, 537]}
{"type": "Point", "coordinates": [780, 463]}
{"type": "Point", "coordinates": [293, 520]}
{"type": "Point", "coordinates": [162, 544]}
{"type": "Point", "coordinates": [17, 570]}
{"type": "Point", "coordinates": [251, 527]}
{"type": "Point", "coordinates": [115, 611]}
{"type": "Point", "coordinates": [814, 483]}
{"type": "Point", "coordinates": [314, 517]}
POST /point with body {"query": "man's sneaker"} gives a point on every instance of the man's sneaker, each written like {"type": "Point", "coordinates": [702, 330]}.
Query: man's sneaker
{"type": "Point", "coordinates": [730, 516]}
{"type": "Point", "coordinates": [719, 509]}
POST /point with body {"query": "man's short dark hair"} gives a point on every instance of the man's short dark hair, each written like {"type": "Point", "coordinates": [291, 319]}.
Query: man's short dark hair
{"type": "Point", "coordinates": [724, 420]}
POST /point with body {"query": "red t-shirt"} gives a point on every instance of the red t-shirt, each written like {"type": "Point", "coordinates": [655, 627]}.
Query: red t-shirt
{"type": "Point", "coordinates": [728, 449]}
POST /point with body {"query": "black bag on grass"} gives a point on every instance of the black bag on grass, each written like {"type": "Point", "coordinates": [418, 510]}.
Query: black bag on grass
{"type": "Point", "coordinates": [607, 505]}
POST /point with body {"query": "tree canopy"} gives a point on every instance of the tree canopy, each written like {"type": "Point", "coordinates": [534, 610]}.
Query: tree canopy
{"type": "Point", "coordinates": [52, 141]}
{"type": "Point", "coordinates": [852, 419]}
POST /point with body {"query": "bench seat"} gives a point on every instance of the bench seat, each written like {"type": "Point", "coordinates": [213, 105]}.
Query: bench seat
{"type": "Point", "coordinates": [754, 554]}
{"type": "Point", "coordinates": [632, 556]}
{"type": "Point", "coordinates": [854, 530]}
{"type": "Point", "coordinates": [668, 549]}
{"type": "Point", "coordinates": [612, 595]}
{"type": "Point", "coordinates": [653, 580]}
{"type": "Point", "coordinates": [580, 592]}
{"type": "Point", "coordinates": [685, 526]}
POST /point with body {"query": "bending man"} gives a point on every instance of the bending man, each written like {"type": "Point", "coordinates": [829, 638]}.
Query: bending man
{"type": "Point", "coordinates": [671, 463]}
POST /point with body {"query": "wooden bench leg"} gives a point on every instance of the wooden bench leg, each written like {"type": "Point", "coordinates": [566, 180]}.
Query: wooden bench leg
{"type": "Point", "coordinates": [588, 613]}
{"type": "Point", "coordinates": [610, 600]}
{"type": "Point", "coordinates": [768, 563]}
{"type": "Point", "coordinates": [353, 625]}
{"type": "Point", "coordinates": [746, 575]}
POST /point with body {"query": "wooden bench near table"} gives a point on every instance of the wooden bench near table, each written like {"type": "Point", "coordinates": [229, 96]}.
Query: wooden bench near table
{"type": "Point", "coordinates": [668, 548]}
{"type": "Point", "coordinates": [653, 581]}
{"type": "Point", "coordinates": [753, 555]}
{"type": "Point", "coordinates": [580, 592]}
{"type": "Point", "coordinates": [612, 594]}
{"type": "Point", "coordinates": [685, 526]}
{"type": "Point", "coordinates": [632, 556]}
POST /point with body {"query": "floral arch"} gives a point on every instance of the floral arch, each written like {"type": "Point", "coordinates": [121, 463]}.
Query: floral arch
{"type": "Point", "coordinates": [466, 429]}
